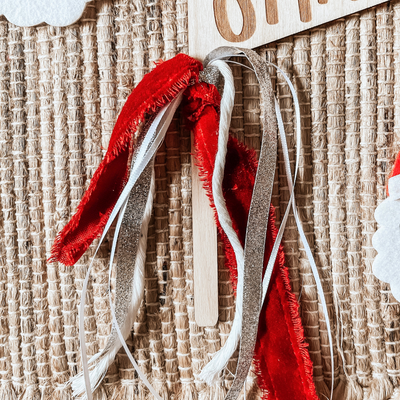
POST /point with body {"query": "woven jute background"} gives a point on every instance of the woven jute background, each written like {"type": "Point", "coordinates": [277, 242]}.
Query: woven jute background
{"type": "Point", "coordinates": [61, 90]}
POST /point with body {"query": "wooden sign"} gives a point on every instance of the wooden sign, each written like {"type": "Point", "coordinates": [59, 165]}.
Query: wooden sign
{"type": "Point", "coordinates": [249, 24]}
{"type": "Point", "coordinates": [252, 23]}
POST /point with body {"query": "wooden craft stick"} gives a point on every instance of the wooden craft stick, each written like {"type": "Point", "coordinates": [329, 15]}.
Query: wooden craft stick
{"type": "Point", "coordinates": [205, 255]}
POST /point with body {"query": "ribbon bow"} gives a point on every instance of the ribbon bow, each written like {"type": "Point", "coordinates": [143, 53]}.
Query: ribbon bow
{"type": "Point", "coordinates": [239, 189]}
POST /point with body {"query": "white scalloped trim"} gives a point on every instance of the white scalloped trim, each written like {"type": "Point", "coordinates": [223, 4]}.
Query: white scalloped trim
{"type": "Point", "coordinates": [34, 12]}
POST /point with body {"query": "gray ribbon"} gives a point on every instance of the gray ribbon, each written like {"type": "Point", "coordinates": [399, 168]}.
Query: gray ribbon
{"type": "Point", "coordinates": [258, 216]}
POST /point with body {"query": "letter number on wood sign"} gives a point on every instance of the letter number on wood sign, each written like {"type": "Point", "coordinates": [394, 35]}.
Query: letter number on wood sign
{"type": "Point", "coordinates": [212, 23]}
{"type": "Point", "coordinates": [222, 21]}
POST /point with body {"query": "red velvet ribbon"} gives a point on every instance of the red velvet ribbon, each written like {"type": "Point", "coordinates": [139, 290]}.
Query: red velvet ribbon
{"type": "Point", "coordinates": [157, 89]}
{"type": "Point", "coordinates": [283, 364]}
{"type": "Point", "coordinates": [281, 358]}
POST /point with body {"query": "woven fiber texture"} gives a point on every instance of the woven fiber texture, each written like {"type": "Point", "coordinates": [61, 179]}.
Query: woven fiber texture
{"type": "Point", "coordinates": [61, 90]}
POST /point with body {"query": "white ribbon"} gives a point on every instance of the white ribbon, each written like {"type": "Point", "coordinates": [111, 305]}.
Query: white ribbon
{"type": "Point", "coordinates": [211, 371]}
{"type": "Point", "coordinates": [291, 203]}
{"type": "Point", "coordinates": [148, 149]}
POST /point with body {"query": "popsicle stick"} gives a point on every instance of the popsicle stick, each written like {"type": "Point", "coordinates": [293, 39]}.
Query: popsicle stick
{"type": "Point", "coordinates": [205, 255]}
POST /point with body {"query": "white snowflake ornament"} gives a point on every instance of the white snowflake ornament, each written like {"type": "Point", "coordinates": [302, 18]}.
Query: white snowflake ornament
{"type": "Point", "coordinates": [386, 240]}
{"type": "Point", "coordinates": [34, 12]}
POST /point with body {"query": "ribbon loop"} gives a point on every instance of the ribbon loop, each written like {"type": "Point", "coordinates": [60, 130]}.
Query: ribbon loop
{"type": "Point", "coordinates": [251, 270]}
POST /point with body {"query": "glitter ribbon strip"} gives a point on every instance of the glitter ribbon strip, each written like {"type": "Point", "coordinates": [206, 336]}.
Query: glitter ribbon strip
{"type": "Point", "coordinates": [257, 221]}
{"type": "Point", "coordinates": [246, 351]}
{"type": "Point", "coordinates": [141, 168]}
{"type": "Point", "coordinates": [127, 248]}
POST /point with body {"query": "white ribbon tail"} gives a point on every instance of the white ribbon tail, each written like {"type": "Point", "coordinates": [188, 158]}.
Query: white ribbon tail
{"type": "Point", "coordinates": [211, 371]}
{"type": "Point", "coordinates": [87, 381]}
{"type": "Point", "coordinates": [292, 203]}
{"type": "Point", "coordinates": [106, 358]}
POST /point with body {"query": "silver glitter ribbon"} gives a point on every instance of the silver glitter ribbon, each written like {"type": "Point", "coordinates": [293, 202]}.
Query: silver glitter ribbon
{"type": "Point", "coordinates": [258, 216]}
{"type": "Point", "coordinates": [134, 200]}
{"type": "Point", "coordinates": [128, 242]}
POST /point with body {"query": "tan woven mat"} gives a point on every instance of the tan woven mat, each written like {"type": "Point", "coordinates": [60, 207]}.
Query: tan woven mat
{"type": "Point", "coordinates": [60, 92]}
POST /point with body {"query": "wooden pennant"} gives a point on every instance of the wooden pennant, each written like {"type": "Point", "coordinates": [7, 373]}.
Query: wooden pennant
{"type": "Point", "coordinates": [252, 23]}
{"type": "Point", "coordinates": [248, 24]}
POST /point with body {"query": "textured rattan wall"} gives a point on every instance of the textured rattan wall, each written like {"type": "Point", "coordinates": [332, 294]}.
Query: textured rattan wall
{"type": "Point", "coordinates": [60, 92]}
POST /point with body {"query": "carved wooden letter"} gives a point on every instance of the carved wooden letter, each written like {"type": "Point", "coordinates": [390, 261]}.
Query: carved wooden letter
{"type": "Point", "coordinates": [224, 28]}
{"type": "Point", "coordinates": [305, 10]}
{"type": "Point", "coordinates": [272, 11]}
